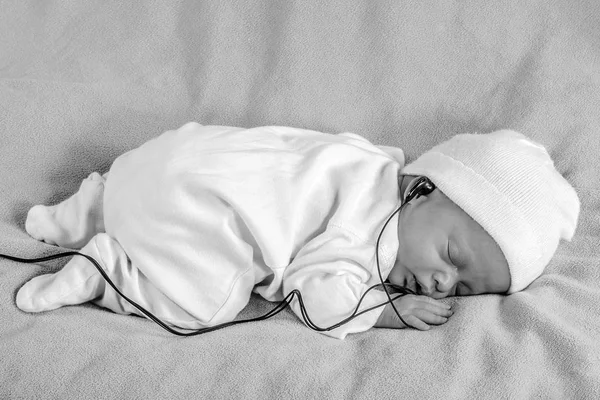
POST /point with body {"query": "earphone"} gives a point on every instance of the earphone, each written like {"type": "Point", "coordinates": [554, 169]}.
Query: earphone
{"type": "Point", "coordinates": [420, 186]}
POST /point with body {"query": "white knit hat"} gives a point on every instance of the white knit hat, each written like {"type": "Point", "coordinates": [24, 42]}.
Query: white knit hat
{"type": "Point", "coordinates": [509, 185]}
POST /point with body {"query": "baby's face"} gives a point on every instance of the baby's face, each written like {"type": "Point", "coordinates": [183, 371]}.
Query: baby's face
{"type": "Point", "coordinates": [444, 252]}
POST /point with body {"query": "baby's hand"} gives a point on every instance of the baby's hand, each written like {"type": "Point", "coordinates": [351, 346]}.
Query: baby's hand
{"type": "Point", "coordinates": [417, 311]}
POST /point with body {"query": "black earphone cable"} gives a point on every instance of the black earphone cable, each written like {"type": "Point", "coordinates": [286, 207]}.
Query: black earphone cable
{"type": "Point", "coordinates": [277, 309]}
{"type": "Point", "coordinates": [280, 305]}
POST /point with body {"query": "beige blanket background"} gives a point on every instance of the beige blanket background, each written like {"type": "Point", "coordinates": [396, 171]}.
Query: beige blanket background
{"type": "Point", "coordinates": [83, 81]}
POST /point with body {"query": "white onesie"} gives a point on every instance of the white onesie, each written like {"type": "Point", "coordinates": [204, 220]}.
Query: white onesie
{"type": "Point", "coordinates": [207, 214]}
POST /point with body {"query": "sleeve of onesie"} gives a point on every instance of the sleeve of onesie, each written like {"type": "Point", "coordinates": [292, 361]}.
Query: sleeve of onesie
{"type": "Point", "coordinates": [332, 272]}
{"type": "Point", "coordinates": [394, 152]}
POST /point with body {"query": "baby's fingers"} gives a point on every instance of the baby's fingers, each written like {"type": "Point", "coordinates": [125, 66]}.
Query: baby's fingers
{"type": "Point", "coordinates": [434, 306]}
{"type": "Point", "coordinates": [430, 317]}
{"type": "Point", "coordinates": [416, 323]}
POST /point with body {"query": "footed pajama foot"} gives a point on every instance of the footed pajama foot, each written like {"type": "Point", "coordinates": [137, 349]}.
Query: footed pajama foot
{"type": "Point", "coordinates": [73, 222]}
{"type": "Point", "coordinates": [76, 283]}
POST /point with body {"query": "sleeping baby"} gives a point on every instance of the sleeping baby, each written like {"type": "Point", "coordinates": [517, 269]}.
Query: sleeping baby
{"type": "Point", "coordinates": [194, 221]}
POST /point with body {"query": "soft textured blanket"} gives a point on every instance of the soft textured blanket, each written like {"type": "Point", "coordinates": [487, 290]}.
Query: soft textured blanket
{"type": "Point", "coordinates": [82, 82]}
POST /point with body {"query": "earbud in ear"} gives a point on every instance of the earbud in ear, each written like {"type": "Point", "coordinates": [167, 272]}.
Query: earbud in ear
{"type": "Point", "coordinates": [420, 186]}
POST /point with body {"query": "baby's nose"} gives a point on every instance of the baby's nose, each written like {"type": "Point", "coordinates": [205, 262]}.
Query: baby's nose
{"type": "Point", "coordinates": [444, 283]}
{"type": "Point", "coordinates": [432, 291]}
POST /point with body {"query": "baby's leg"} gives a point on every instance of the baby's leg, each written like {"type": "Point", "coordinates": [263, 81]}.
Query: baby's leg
{"type": "Point", "coordinates": [79, 282]}
{"type": "Point", "coordinates": [73, 222]}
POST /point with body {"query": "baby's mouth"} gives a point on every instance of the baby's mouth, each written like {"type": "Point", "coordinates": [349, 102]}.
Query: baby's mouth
{"type": "Point", "coordinates": [413, 284]}
{"type": "Point", "coordinates": [418, 289]}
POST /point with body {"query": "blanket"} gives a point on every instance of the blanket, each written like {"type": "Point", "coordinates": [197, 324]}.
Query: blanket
{"type": "Point", "coordinates": [81, 82]}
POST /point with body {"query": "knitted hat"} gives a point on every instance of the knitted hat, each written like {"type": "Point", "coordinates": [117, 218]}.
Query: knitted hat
{"type": "Point", "coordinates": [509, 185]}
